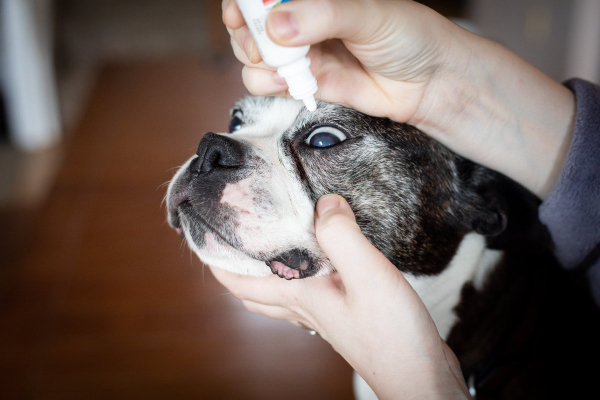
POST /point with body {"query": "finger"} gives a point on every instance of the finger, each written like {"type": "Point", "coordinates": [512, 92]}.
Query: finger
{"type": "Point", "coordinates": [269, 291]}
{"type": "Point", "coordinates": [279, 313]}
{"type": "Point", "coordinates": [274, 291]}
{"type": "Point", "coordinates": [299, 23]}
{"type": "Point", "coordinates": [303, 325]}
{"type": "Point", "coordinates": [262, 82]}
{"type": "Point", "coordinates": [232, 16]}
{"type": "Point", "coordinates": [272, 311]}
{"type": "Point", "coordinates": [242, 40]}
{"type": "Point", "coordinates": [358, 262]}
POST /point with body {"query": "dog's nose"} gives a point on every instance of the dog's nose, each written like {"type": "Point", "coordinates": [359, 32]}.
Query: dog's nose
{"type": "Point", "coordinates": [218, 152]}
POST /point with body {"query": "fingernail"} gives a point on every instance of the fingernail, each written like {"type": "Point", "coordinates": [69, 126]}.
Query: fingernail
{"type": "Point", "coordinates": [247, 46]}
{"type": "Point", "coordinates": [278, 79]}
{"type": "Point", "coordinates": [283, 24]}
{"type": "Point", "coordinates": [224, 4]}
{"type": "Point", "coordinates": [327, 202]}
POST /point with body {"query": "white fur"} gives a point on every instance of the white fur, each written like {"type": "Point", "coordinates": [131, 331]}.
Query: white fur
{"type": "Point", "coordinates": [489, 260]}
{"type": "Point", "coordinates": [180, 171]}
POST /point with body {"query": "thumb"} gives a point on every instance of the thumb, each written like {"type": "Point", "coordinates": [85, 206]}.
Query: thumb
{"type": "Point", "coordinates": [299, 23]}
{"type": "Point", "coordinates": [353, 256]}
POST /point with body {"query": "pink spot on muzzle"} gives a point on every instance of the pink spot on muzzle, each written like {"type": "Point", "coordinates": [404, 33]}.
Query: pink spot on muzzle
{"type": "Point", "coordinates": [239, 196]}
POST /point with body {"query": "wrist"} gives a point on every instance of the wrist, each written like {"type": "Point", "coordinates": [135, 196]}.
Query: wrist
{"type": "Point", "coordinates": [417, 384]}
{"type": "Point", "coordinates": [496, 109]}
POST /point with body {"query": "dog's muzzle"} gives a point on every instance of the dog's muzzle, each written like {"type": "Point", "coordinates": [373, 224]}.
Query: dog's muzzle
{"type": "Point", "coordinates": [197, 204]}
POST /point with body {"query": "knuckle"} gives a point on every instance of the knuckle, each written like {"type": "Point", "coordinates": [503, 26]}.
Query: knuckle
{"type": "Point", "coordinates": [250, 306]}
{"type": "Point", "coordinates": [322, 13]}
{"type": "Point", "coordinates": [296, 310]}
{"type": "Point", "coordinates": [237, 289]}
{"type": "Point", "coordinates": [236, 292]}
{"type": "Point", "coordinates": [329, 10]}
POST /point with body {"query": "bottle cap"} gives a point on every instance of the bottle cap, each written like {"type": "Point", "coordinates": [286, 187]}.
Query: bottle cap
{"type": "Point", "coordinates": [301, 82]}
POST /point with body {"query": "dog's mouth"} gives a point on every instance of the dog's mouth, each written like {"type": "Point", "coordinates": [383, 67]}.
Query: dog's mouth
{"type": "Point", "coordinates": [293, 264]}
{"type": "Point", "coordinates": [290, 264]}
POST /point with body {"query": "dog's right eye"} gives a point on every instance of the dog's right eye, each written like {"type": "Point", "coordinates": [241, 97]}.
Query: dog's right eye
{"type": "Point", "coordinates": [236, 121]}
{"type": "Point", "coordinates": [325, 136]}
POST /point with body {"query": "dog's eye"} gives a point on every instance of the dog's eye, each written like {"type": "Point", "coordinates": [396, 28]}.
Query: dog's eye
{"type": "Point", "coordinates": [325, 136]}
{"type": "Point", "coordinates": [236, 121]}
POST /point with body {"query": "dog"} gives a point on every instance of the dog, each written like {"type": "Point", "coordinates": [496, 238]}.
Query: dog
{"type": "Point", "coordinates": [466, 238]}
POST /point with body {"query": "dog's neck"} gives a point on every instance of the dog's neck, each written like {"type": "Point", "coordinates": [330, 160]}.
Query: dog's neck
{"type": "Point", "coordinates": [441, 293]}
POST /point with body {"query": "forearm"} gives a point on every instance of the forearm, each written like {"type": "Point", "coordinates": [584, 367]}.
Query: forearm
{"type": "Point", "coordinates": [502, 112]}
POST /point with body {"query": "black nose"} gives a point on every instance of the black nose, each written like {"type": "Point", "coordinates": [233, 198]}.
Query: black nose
{"type": "Point", "coordinates": [218, 152]}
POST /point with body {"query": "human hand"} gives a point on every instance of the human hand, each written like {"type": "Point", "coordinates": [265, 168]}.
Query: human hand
{"type": "Point", "coordinates": [366, 310]}
{"type": "Point", "coordinates": [401, 60]}
{"type": "Point", "coordinates": [391, 60]}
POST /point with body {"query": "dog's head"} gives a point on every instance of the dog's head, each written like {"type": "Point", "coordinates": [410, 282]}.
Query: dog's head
{"type": "Point", "coordinates": [247, 197]}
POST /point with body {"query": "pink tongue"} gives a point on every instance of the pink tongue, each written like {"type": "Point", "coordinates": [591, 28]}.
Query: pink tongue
{"type": "Point", "coordinates": [284, 271]}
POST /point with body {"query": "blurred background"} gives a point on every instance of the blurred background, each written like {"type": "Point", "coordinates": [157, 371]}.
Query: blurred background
{"type": "Point", "coordinates": [100, 101]}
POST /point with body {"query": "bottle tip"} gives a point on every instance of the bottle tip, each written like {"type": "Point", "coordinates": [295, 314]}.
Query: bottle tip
{"type": "Point", "coordinates": [310, 103]}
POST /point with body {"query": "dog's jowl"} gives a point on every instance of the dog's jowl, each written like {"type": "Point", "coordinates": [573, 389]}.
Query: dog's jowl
{"type": "Point", "coordinates": [466, 238]}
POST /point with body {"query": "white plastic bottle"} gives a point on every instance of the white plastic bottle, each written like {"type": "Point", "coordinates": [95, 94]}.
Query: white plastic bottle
{"type": "Point", "coordinates": [291, 62]}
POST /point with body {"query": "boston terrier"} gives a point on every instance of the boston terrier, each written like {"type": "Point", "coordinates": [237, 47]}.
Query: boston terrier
{"type": "Point", "coordinates": [467, 238]}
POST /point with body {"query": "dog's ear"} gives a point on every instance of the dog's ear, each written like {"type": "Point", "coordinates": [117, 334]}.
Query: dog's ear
{"type": "Point", "coordinates": [503, 210]}
{"type": "Point", "coordinates": [487, 213]}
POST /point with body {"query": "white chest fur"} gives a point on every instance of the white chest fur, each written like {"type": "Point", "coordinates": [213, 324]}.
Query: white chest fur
{"type": "Point", "coordinates": [441, 293]}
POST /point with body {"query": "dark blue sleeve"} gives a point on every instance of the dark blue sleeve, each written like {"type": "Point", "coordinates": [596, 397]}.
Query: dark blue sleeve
{"type": "Point", "coordinates": [572, 211]}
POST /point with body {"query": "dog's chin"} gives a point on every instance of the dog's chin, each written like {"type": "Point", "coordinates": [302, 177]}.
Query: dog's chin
{"type": "Point", "coordinates": [216, 252]}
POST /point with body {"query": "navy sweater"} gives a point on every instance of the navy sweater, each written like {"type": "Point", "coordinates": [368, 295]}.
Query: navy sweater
{"type": "Point", "coordinates": [572, 211]}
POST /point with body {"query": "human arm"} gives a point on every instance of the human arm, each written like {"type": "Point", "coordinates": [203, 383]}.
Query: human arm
{"type": "Point", "coordinates": [373, 317]}
{"type": "Point", "coordinates": [572, 211]}
{"type": "Point", "coordinates": [408, 63]}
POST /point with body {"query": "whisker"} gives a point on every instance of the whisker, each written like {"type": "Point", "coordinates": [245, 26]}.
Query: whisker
{"type": "Point", "coordinates": [163, 203]}
{"type": "Point", "coordinates": [162, 185]}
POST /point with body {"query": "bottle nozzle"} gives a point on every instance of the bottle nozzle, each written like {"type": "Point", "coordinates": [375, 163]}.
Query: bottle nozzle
{"type": "Point", "coordinates": [301, 82]}
{"type": "Point", "coordinates": [310, 103]}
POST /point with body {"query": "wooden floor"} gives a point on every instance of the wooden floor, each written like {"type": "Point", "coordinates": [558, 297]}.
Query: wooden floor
{"type": "Point", "coordinates": [99, 298]}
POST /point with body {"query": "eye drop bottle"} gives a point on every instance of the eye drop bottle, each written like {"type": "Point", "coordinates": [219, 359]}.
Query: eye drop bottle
{"type": "Point", "coordinates": [291, 62]}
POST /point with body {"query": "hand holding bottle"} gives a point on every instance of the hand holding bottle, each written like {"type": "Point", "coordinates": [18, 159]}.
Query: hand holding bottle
{"type": "Point", "coordinates": [401, 60]}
